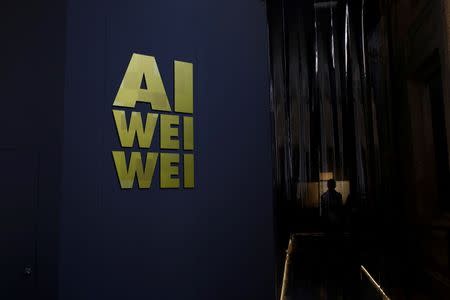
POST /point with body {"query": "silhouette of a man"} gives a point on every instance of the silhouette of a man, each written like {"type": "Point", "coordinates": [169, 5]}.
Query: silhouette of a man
{"type": "Point", "coordinates": [331, 205]}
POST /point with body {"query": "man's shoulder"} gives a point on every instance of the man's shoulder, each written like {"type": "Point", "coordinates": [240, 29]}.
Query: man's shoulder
{"type": "Point", "coordinates": [336, 193]}
{"type": "Point", "coordinates": [325, 195]}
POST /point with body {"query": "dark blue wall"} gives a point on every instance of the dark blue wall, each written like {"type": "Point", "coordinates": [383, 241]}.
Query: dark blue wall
{"type": "Point", "coordinates": [212, 242]}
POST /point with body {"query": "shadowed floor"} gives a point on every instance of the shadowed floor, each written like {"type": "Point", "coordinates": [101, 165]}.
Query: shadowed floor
{"type": "Point", "coordinates": [326, 267]}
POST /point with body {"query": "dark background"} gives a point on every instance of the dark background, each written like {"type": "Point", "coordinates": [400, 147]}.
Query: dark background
{"type": "Point", "coordinates": [61, 66]}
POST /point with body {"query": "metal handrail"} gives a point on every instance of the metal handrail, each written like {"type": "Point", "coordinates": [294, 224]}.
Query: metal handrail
{"type": "Point", "coordinates": [374, 283]}
{"type": "Point", "coordinates": [287, 263]}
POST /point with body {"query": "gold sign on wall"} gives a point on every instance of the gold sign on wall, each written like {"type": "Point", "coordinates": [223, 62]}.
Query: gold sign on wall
{"type": "Point", "coordinates": [142, 82]}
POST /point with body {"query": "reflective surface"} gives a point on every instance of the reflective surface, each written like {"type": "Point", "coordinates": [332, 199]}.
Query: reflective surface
{"type": "Point", "coordinates": [325, 109]}
{"type": "Point", "coordinates": [361, 121]}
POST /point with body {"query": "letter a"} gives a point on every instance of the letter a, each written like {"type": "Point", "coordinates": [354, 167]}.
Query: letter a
{"type": "Point", "coordinates": [142, 69]}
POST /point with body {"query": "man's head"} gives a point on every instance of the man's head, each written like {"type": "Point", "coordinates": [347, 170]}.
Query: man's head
{"type": "Point", "coordinates": [331, 184]}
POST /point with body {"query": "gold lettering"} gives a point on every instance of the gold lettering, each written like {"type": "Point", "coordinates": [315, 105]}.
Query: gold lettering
{"type": "Point", "coordinates": [168, 170]}
{"type": "Point", "coordinates": [169, 131]}
{"type": "Point", "coordinates": [135, 168]}
{"type": "Point", "coordinates": [188, 133]}
{"type": "Point", "coordinates": [188, 170]}
{"type": "Point", "coordinates": [142, 68]}
{"type": "Point", "coordinates": [184, 87]}
{"type": "Point", "coordinates": [128, 132]}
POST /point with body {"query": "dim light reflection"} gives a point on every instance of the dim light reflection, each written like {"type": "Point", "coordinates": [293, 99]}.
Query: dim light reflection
{"type": "Point", "coordinates": [309, 192]}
